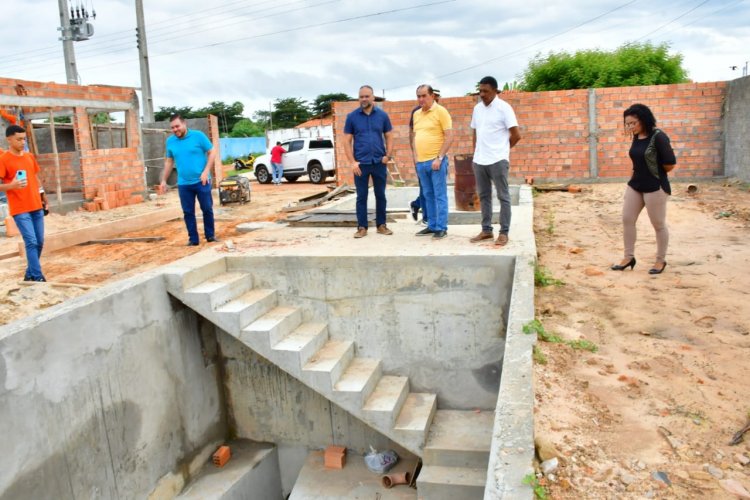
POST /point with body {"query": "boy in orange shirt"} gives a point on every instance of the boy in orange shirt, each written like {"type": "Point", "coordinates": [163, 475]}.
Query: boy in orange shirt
{"type": "Point", "coordinates": [19, 172]}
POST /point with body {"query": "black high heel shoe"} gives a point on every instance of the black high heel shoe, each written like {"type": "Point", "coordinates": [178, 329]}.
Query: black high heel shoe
{"type": "Point", "coordinates": [630, 264]}
{"type": "Point", "coordinates": [653, 270]}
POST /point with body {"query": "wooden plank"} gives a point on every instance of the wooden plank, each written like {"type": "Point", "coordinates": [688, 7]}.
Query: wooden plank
{"type": "Point", "coordinates": [550, 187]}
{"type": "Point", "coordinates": [112, 241]}
{"type": "Point", "coordinates": [9, 255]}
{"type": "Point", "coordinates": [55, 283]}
{"type": "Point", "coordinates": [67, 239]}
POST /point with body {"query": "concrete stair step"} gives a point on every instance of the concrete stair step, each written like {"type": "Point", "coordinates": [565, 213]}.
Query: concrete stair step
{"type": "Point", "coordinates": [415, 418]}
{"type": "Point", "coordinates": [326, 366]}
{"type": "Point", "coordinates": [271, 328]}
{"type": "Point", "coordinates": [220, 289]}
{"type": "Point", "coordinates": [294, 350]}
{"type": "Point", "coordinates": [436, 482]}
{"type": "Point", "coordinates": [459, 439]}
{"type": "Point", "coordinates": [201, 273]}
{"type": "Point", "coordinates": [248, 307]}
{"type": "Point", "coordinates": [385, 402]}
{"type": "Point", "coordinates": [357, 383]}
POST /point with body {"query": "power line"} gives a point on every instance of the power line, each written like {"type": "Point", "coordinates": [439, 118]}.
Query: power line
{"type": "Point", "coordinates": [701, 18]}
{"type": "Point", "coordinates": [289, 30]}
{"type": "Point", "coordinates": [524, 48]}
{"type": "Point", "coordinates": [111, 49]}
{"type": "Point", "coordinates": [670, 22]}
{"type": "Point", "coordinates": [128, 33]}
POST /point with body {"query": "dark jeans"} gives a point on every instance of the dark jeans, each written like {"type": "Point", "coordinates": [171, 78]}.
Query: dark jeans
{"type": "Point", "coordinates": [379, 173]}
{"type": "Point", "coordinates": [419, 202]}
{"type": "Point", "coordinates": [31, 227]}
{"type": "Point", "coordinates": [486, 175]}
{"type": "Point", "coordinates": [188, 194]}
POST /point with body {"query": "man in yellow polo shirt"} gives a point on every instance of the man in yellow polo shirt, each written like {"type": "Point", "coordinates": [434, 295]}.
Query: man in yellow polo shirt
{"type": "Point", "coordinates": [433, 135]}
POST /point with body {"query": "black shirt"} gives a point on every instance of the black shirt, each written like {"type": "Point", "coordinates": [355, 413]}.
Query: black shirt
{"type": "Point", "coordinates": [642, 179]}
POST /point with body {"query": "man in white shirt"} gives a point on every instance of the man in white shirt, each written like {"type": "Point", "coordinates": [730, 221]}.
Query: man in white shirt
{"type": "Point", "coordinates": [495, 132]}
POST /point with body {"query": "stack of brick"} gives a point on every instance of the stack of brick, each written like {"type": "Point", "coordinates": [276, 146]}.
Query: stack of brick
{"type": "Point", "coordinates": [112, 196]}
{"type": "Point", "coordinates": [335, 457]}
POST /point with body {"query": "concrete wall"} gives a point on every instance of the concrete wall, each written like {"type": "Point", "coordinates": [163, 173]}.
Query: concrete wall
{"type": "Point", "coordinates": [737, 129]}
{"type": "Point", "coordinates": [575, 134]}
{"type": "Point", "coordinates": [438, 320]}
{"type": "Point", "coordinates": [102, 396]}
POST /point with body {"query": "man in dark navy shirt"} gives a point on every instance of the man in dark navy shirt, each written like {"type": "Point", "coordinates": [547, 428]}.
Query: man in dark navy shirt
{"type": "Point", "coordinates": [368, 144]}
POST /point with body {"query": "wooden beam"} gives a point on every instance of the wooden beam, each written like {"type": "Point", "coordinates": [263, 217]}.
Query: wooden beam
{"type": "Point", "coordinates": [58, 241]}
{"type": "Point", "coordinates": [55, 283]}
{"type": "Point", "coordinates": [58, 185]}
{"type": "Point", "coordinates": [50, 102]}
{"type": "Point", "coordinates": [112, 241]}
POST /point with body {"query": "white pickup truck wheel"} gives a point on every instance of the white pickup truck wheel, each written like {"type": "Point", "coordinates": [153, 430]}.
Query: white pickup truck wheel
{"type": "Point", "coordinates": [316, 173]}
{"type": "Point", "coordinates": [261, 173]}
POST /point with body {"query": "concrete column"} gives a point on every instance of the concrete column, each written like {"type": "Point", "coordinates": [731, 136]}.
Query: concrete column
{"type": "Point", "coordinates": [593, 136]}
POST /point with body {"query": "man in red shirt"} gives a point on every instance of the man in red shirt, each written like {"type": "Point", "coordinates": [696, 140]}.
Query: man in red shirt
{"type": "Point", "coordinates": [276, 163]}
{"type": "Point", "coordinates": [19, 172]}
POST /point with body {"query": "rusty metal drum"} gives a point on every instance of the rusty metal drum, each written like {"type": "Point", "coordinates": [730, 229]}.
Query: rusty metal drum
{"type": "Point", "coordinates": [465, 187]}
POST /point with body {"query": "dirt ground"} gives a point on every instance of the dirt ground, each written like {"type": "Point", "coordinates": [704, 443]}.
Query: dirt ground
{"type": "Point", "coordinates": [96, 265]}
{"type": "Point", "coordinates": [669, 384]}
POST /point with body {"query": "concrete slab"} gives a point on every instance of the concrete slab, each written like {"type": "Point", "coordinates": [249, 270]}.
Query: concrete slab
{"type": "Point", "coordinates": [353, 482]}
{"type": "Point", "coordinates": [252, 473]}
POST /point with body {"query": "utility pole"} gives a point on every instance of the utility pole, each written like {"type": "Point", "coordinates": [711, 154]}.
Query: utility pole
{"type": "Point", "coordinates": [71, 71]}
{"type": "Point", "coordinates": [140, 30]}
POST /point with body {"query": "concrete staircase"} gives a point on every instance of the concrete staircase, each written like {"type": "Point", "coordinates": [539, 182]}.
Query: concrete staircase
{"type": "Point", "coordinates": [454, 445]}
{"type": "Point", "coordinates": [305, 351]}
{"type": "Point", "coordinates": [456, 456]}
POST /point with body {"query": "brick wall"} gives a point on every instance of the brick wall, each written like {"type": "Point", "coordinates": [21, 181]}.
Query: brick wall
{"type": "Point", "coordinates": [555, 130]}
{"type": "Point", "coordinates": [70, 172]}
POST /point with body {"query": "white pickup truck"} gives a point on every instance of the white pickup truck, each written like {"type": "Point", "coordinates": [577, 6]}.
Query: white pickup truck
{"type": "Point", "coordinates": [307, 156]}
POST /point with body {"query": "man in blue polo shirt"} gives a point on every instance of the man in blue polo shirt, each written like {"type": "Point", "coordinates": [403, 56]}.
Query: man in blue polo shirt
{"type": "Point", "coordinates": [193, 155]}
{"type": "Point", "coordinates": [364, 131]}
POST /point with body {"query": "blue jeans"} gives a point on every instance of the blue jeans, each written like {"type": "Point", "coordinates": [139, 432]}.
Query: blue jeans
{"type": "Point", "coordinates": [31, 227]}
{"type": "Point", "coordinates": [277, 171]}
{"type": "Point", "coordinates": [379, 173]}
{"type": "Point", "coordinates": [188, 194]}
{"type": "Point", "coordinates": [435, 189]}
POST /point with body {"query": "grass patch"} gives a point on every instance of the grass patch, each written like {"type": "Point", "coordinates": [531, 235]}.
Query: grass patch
{"type": "Point", "coordinates": [539, 356]}
{"type": "Point", "coordinates": [550, 223]}
{"type": "Point", "coordinates": [583, 344]}
{"type": "Point", "coordinates": [536, 326]}
{"type": "Point", "coordinates": [542, 277]}
{"type": "Point", "coordinates": [540, 491]}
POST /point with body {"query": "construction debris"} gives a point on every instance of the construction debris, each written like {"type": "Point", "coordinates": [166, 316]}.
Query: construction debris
{"type": "Point", "coordinates": [317, 201]}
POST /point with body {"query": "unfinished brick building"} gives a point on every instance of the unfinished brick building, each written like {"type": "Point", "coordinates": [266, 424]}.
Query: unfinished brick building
{"type": "Point", "coordinates": [80, 160]}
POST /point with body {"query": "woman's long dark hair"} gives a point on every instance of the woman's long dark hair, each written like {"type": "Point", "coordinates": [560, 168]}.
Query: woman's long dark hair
{"type": "Point", "coordinates": [644, 115]}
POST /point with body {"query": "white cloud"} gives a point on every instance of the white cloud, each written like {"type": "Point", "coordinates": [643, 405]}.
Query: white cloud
{"type": "Point", "coordinates": [255, 51]}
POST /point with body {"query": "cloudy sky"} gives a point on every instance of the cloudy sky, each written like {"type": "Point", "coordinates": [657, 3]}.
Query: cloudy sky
{"type": "Point", "coordinates": [255, 51]}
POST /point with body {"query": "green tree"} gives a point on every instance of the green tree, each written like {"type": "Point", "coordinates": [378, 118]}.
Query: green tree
{"type": "Point", "coordinates": [164, 113]}
{"type": "Point", "coordinates": [629, 65]}
{"type": "Point", "coordinates": [287, 113]}
{"type": "Point", "coordinates": [322, 103]}
{"type": "Point", "coordinates": [248, 128]}
{"type": "Point", "coordinates": [227, 114]}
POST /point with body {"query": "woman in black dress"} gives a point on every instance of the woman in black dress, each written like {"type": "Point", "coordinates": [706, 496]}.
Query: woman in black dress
{"type": "Point", "coordinates": [653, 158]}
